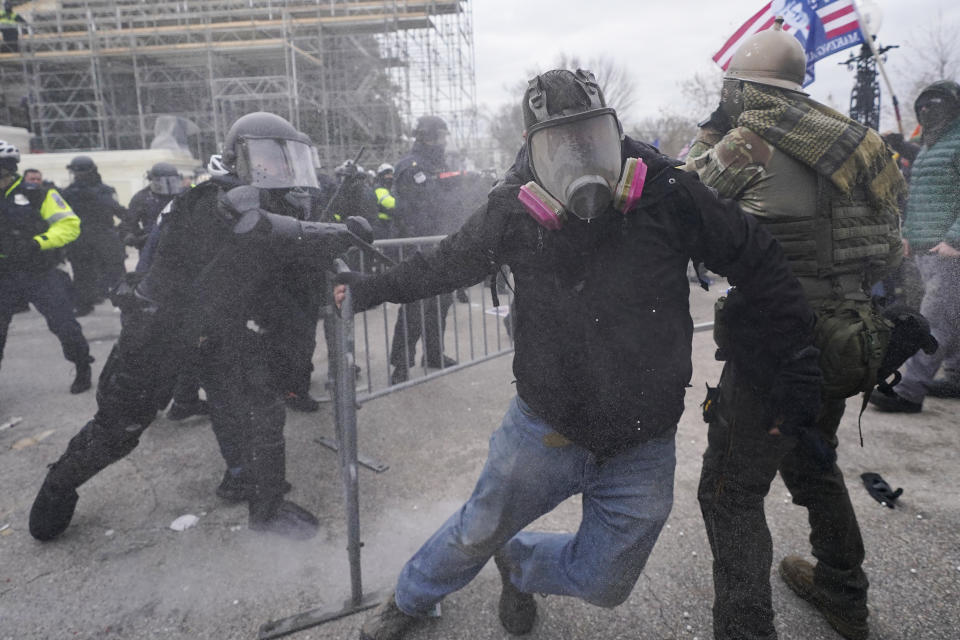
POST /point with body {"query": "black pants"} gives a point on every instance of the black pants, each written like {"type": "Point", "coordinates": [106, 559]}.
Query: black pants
{"type": "Point", "coordinates": [740, 463]}
{"type": "Point", "coordinates": [426, 318]}
{"type": "Point", "coordinates": [49, 291]}
{"type": "Point", "coordinates": [290, 337]}
{"type": "Point", "coordinates": [138, 380]}
{"type": "Point", "coordinates": [97, 261]}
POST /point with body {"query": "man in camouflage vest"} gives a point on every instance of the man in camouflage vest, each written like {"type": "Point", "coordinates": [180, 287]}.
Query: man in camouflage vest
{"type": "Point", "coordinates": [931, 236]}
{"type": "Point", "coordinates": [826, 188]}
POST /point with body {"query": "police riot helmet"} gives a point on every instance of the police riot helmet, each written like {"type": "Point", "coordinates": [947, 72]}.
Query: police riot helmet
{"type": "Point", "coordinates": [386, 167]}
{"type": "Point", "coordinates": [165, 179]}
{"type": "Point", "coordinates": [266, 151]}
{"type": "Point", "coordinates": [430, 130]}
{"type": "Point", "coordinates": [573, 140]}
{"type": "Point", "coordinates": [772, 57]}
{"type": "Point", "coordinates": [82, 164]}
{"type": "Point", "coordinates": [9, 156]}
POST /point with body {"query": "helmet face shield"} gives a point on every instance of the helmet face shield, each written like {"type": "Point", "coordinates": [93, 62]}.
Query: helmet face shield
{"type": "Point", "coordinates": [166, 185]}
{"type": "Point", "coordinates": [577, 160]}
{"type": "Point", "coordinates": [276, 163]}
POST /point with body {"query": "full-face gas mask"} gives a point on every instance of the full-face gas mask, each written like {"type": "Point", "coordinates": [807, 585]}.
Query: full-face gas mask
{"type": "Point", "coordinates": [574, 150]}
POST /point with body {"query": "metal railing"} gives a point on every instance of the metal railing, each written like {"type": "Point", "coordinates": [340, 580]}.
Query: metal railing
{"type": "Point", "coordinates": [472, 332]}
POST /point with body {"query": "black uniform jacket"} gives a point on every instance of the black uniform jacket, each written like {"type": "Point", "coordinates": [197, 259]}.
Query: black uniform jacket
{"type": "Point", "coordinates": [603, 328]}
{"type": "Point", "coordinates": [95, 203]}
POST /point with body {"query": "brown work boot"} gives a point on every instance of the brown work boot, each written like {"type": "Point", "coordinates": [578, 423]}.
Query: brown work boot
{"type": "Point", "coordinates": [850, 622]}
{"type": "Point", "coordinates": [387, 622]}
{"type": "Point", "coordinates": [518, 610]}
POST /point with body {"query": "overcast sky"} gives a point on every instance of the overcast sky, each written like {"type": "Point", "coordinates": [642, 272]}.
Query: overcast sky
{"type": "Point", "coordinates": [664, 42]}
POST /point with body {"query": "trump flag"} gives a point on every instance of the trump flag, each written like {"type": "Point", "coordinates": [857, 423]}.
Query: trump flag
{"type": "Point", "coordinates": [823, 27]}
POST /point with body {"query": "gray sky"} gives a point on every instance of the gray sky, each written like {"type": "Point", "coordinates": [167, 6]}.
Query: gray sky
{"type": "Point", "coordinates": [665, 42]}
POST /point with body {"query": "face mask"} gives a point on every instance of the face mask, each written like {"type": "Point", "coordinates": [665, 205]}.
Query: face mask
{"type": "Point", "coordinates": [576, 159]}
{"type": "Point", "coordinates": [935, 114]}
{"type": "Point", "coordinates": [550, 212]}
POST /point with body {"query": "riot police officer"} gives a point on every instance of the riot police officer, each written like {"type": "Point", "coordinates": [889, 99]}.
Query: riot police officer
{"type": "Point", "coordinates": [163, 183]}
{"type": "Point", "coordinates": [418, 213]}
{"type": "Point", "coordinates": [97, 255]}
{"type": "Point", "coordinates": [215, 257]}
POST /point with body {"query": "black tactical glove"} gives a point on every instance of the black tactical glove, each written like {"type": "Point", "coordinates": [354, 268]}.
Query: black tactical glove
{"type": "Point", "coordinates": [360, 227]}
{"type": "Point", "coordinates": [794, 405]}
{"type": "Point", "coordinates": [879, 490]}
{"type": "Point", "coordinates": [717, 121]}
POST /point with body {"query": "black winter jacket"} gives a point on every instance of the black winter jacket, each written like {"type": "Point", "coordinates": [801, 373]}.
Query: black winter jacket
{"type": "Point", "coordinates": [603, 327]}
{"type": "Point", "coordinates": [142, 212]}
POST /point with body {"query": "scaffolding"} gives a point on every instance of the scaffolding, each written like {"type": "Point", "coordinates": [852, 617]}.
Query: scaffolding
{"type": "Point", "coordinates": [98, 74]}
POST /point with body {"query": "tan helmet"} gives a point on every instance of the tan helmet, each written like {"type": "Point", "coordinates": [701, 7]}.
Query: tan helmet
{"type": "Point", "coordinates": [771, 57]}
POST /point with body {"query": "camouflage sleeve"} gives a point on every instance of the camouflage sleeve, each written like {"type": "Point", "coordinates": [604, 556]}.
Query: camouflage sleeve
{"type": "Point", "coordinates": [732, 164]}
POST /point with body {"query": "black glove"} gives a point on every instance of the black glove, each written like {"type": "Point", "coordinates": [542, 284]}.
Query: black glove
{"type": "Point", "coordinates": [462, 296]}
{"type": "Point", "coordinates": [717, 121]}
{"type": "Point", "coordinates": [361, 228]}
{"type": "Point", "coordinates": [879, 490]}
{"type": "Point", "coordinates": [794, 405]}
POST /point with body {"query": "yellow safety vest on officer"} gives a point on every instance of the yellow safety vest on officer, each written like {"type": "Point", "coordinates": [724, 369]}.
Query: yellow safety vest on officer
{"type": "Point", "coordinates": [40, 215]}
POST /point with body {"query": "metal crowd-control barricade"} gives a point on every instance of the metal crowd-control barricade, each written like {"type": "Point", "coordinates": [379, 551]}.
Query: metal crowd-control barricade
{"type": "Point", "coordinates": [472, 340]}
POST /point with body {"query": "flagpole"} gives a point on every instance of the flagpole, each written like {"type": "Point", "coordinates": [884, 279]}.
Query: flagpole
{"type": "Point", "coordinates": [876, 56]}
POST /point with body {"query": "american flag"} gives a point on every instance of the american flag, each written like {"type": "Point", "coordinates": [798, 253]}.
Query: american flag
{"type": "Point", "coordinates": [823, 27]}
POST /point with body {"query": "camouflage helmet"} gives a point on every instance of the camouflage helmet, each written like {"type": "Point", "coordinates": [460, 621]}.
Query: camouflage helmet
{"type": "Point", "coordinates": [772, 57]}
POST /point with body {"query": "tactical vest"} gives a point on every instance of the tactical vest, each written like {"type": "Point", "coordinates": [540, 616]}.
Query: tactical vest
{"type": "Point", "coordinates": [832, 251]}
{"type": "Point", "coordinates": [933, 207]}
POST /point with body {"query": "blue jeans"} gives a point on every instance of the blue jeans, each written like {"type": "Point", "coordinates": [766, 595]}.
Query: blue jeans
{"type": "Point", "coordinates": [626, 500]}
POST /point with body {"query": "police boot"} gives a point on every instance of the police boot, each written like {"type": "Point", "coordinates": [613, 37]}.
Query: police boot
{"type": "Point", "coordinates": [268, 510]}
{"type": "Point", "coordinates": [53, 507]}
{"type": "Point", "coordinates": [84, 378]}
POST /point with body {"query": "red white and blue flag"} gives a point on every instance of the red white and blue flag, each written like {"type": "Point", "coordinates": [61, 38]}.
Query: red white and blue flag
{"type": "Point", "coordinates": [823, 27]}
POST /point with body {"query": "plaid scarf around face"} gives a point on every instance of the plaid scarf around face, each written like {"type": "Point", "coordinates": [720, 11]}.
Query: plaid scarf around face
{"type": "Point", "coordinates": [836, 147]}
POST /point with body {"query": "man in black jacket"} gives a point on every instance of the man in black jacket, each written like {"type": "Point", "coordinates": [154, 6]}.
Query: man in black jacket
{"type": "Point", "coordinates": [603, 353]}
{"type": "Point", "coordinates": [97, 255]}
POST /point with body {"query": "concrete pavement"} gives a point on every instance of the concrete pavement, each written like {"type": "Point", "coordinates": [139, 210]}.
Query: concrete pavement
{"type": "Point", "coordinates": [120, 572]}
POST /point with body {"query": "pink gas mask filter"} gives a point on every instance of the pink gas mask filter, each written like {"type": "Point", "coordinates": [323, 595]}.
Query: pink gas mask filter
{"type": "Point", "coordinates": [550, 213]}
